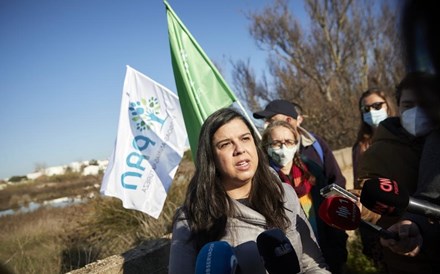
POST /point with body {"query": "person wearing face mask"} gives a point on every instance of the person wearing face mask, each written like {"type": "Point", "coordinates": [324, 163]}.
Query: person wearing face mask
{"type": "Point", "coordinates": [419, 234]}
{"type": "Point", "coordinates": [395, 153]}
{"type": "Point", "coordinates": [420, 42]}
{"type": "Point", "coordinates": [374, 107]}
{"type": "Point", "coordinates": [281, 143]}
{"type": "Point", "coordinates": [311, 146]}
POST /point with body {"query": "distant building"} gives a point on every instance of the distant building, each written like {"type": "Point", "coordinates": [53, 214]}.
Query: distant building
{"type": "Point", "coordinates": [85, 167]}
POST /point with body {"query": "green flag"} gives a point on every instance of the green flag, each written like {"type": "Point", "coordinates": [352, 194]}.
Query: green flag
{"type": "Point", "coordinates": [201, 88]}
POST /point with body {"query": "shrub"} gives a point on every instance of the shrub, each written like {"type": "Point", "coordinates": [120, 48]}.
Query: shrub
{"type": "Point", "coordinates": [16, 179]}
{"type": "Point", "coordinates": [357, 262]}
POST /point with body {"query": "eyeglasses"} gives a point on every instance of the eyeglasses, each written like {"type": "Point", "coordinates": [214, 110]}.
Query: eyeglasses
{"type": "Point", "coordinates": [289, 143]}
{"type": "Point", "coordinates": [376, 106]}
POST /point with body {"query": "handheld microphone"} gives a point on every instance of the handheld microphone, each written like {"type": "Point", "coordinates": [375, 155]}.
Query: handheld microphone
{"type": "Point", "coordinates": [342, 213]}
{"type": "Point", "coordinates": [216, 258]}
{"type": "Point", "coordinates": [278, 254]}
{"type": "Point", "coordinates": [385, 197]}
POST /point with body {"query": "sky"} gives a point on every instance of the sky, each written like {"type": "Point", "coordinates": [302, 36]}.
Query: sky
{"type": "Point", "coordinates": [63, 63]}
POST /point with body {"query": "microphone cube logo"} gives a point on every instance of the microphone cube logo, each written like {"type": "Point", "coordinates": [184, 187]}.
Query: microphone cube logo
{"type": "Point", "coordinates": [283, 249]}
{"type": "Point", "coordinates": [388, 185]}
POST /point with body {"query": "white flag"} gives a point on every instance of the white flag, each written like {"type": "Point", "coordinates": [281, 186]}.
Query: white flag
{"type": "Point", "coordinates": [149, 146]}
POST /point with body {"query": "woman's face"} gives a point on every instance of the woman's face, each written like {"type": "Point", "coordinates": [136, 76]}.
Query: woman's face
{"type": "Point", "coordinates": [373, 101]}
{"type": "Point", "coordinates": [282, 135]}
{"type": "Point", "coordinates": [236, 155]}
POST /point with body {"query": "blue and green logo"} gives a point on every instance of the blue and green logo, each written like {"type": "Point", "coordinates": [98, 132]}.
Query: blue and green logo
{"type": "Point", "coordinates": [144, 113]}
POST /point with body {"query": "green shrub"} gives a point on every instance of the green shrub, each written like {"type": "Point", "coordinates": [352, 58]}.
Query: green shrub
{"type": "Point", "coordinates": [357, 262]}
{"type": "Point", "coordinates": [16, 179]}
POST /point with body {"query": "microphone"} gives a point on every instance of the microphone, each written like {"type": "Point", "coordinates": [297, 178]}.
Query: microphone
{"type": "Point", "coordinates": [385, 197]}
{"type": "Point", "coordinates": [216, 258]}
{"type": "Point", "coordinates": [278, 254]}
{"type": "Point", "coordinates": [342, 213]}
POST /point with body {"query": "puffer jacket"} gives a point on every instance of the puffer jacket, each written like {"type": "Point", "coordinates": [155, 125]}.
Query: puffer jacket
{"type": "Point", "coordinates": [242, 231]}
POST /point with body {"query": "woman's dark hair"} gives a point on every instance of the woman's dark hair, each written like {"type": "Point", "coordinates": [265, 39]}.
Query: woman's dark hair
{"type": "Point", "coordinates": [207, 205]}
{"type": "Point", "coordinates": [266, 139]}
{"type": "Point", "coordinates": [365, 132]}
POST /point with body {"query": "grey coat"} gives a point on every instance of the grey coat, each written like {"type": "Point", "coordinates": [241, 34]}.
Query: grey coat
{"type": "Point", "coordinates": [241, 233]}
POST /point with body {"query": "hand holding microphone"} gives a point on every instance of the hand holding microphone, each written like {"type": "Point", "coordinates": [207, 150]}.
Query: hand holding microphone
{"type": "Point", "coordinates": [385, 197]}
{"type": "Point", "coordinates": [410, 239]}
{"type": "Point", "coordinates": [277, 252]}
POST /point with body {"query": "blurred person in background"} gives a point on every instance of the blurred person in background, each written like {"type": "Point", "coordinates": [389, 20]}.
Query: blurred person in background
{"type": "Point", "coordinates": [374, 107]}
{"type": "Point", "coordinates": [395, 154]}
{"type": "Point", "coordinates": [311, 146]}
{"type": "Point", "coordinates": [281, 143]}
{"type": "Point", "coordinates": [421, 47]}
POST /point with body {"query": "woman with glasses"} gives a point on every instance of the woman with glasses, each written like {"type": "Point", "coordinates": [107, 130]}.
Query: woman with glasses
{"type": "Point", "coordinates": [281, 142]}
{"type": "Point", "coordinates": [374, 107]}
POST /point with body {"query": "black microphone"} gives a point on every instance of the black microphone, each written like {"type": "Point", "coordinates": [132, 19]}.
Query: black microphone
{"type": "Point", "coordinates": [277, 252]}
{"type": "Point", "coordinates": [216, 258]}
{"type": "Point", "coordinates": [385, 197]}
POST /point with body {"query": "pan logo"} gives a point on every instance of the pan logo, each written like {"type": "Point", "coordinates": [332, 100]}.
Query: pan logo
{"type": "Point", "coordinates": [145, 113]}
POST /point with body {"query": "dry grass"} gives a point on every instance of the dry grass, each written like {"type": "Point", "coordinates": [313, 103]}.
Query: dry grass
{"type": "Point", "coordinates": [57, 240]}
{"type": "Point", "coordinates": [31, 243]}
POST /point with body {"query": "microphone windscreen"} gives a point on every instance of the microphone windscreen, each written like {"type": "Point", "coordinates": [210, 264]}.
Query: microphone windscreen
{"type": "Point", "coordinates": [278, 253]}
{"type": "Point", "coordinates": [216, 258]}
{"type": "Point", "coordinates": [384, 196]}
{"type": "Point", "coordinates": [340, 212]}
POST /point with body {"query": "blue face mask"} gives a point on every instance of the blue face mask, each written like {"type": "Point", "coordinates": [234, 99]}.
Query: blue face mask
{"type": "Point", "coordinates": [374, 117]}
{"type": "Point", "coordinates": [416, 122]}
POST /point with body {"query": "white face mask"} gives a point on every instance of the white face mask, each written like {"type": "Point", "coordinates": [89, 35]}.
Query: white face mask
{"type": "Point", "coordinates": [374, 117]}
{"type": "Point", "coordinates": [416, 122]}
{"type": "Point", "coordinates": [282, 155]}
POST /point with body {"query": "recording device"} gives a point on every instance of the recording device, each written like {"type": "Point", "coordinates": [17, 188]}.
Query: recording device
{"type": "Point", "coordinates": [336, 190]}
{"type": "Point", "coordinates": [277, 252]}
{"type": "Point", "coordinates": [385, 197]}
{"type": "Point", "coordinates": [216, 258]}
{"type": "Point", "coordinates": [342, 213]}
